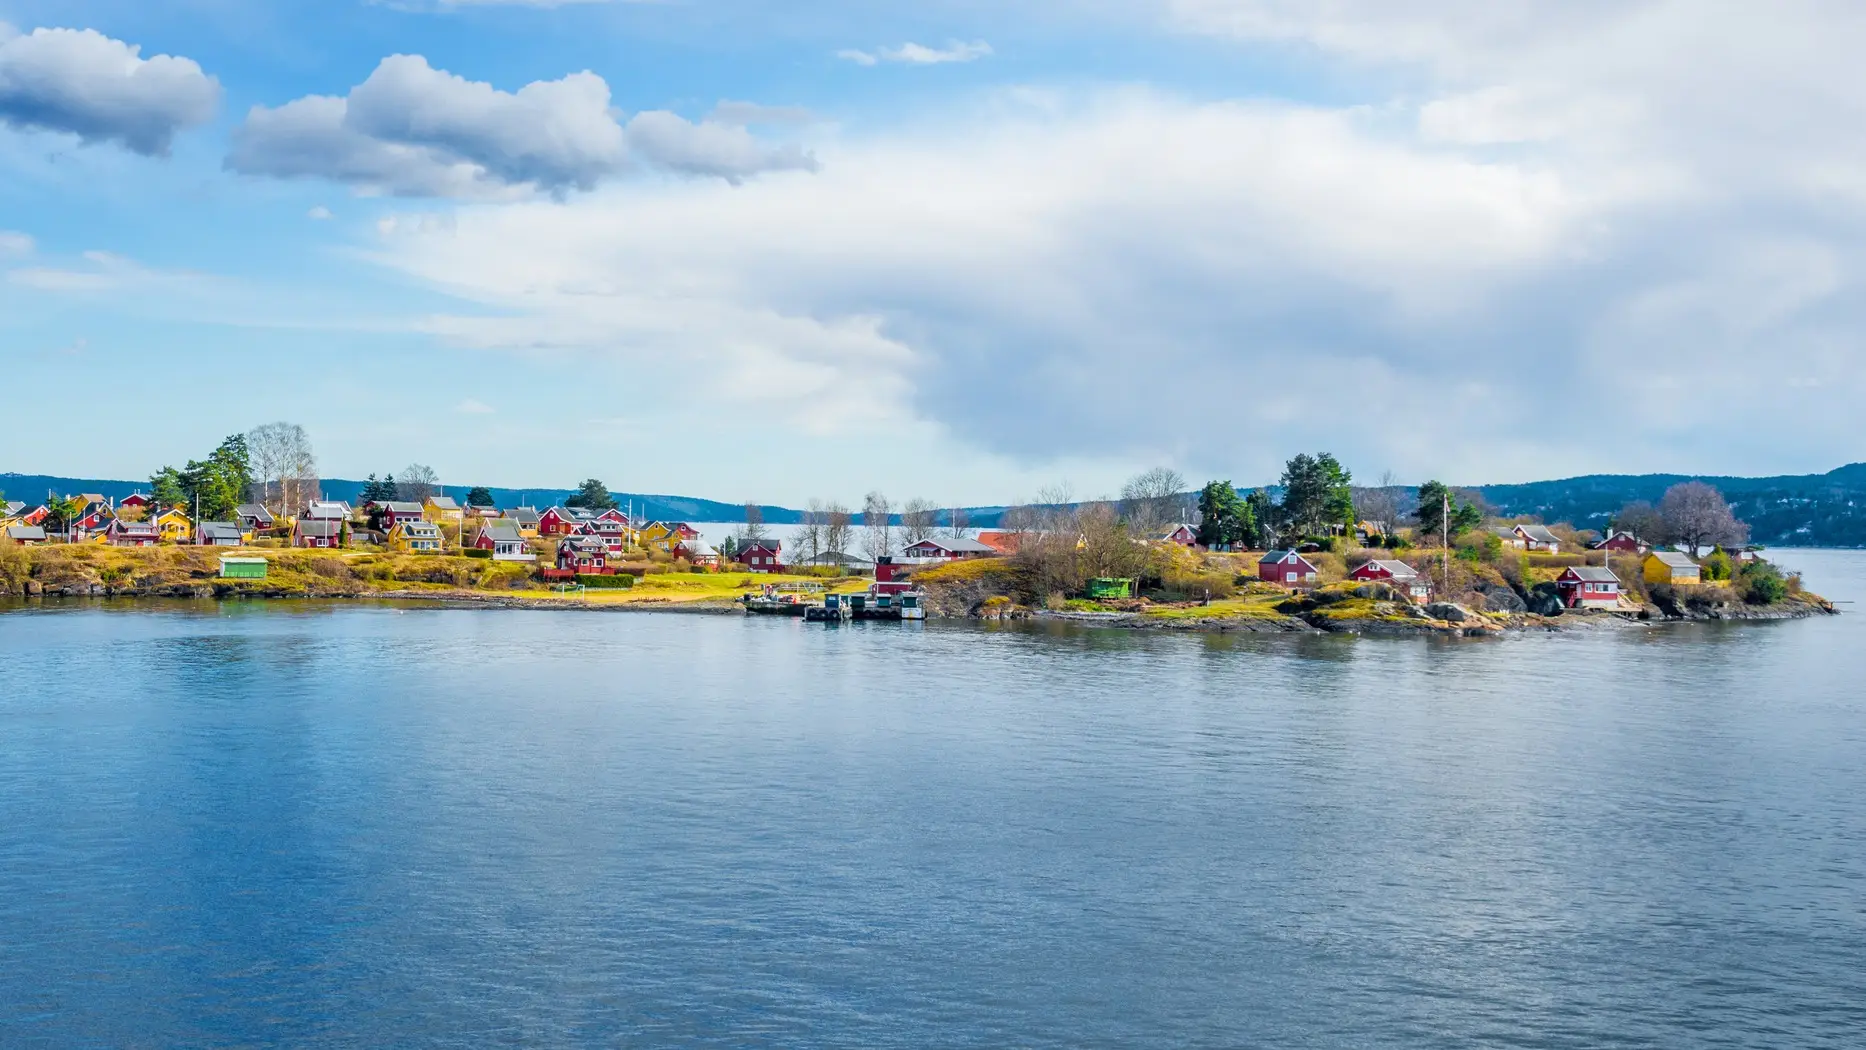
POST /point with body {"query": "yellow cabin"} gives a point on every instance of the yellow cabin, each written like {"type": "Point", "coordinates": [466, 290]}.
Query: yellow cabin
{"type": "Point", "coordinates": [1671, 567]}
{"type": "Point", "coordinates": [174, 526]}
{"type": "Point", "coordinates": [416, 537]}
{"type": "Point", "coordinates": [440, 509]}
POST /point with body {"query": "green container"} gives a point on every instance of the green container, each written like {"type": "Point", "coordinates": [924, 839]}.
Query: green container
{"type": "Point", "coordinates": [1110, 587]}
{"type": "Point", "coordinates": [243, 568]}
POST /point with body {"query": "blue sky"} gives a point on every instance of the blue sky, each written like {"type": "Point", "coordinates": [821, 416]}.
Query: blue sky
{"type": "Point", "coordinates": [961, 250]}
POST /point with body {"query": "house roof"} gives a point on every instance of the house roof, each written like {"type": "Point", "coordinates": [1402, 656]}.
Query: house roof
{"type": "Point", "coordinates": [501, 529]}
{"type": "Point", "coordinates": [25, 533]}
{"type": "Point", "coordinates": [1616, 534]}
{"type": "Point", "coordinates": [134, 528]}
{"type": "Point", "coordinates": [773, 546]}
{"type": "Point", "coordinates": [1398, 569]}
{"type": "Point", "coordinates": [524, 515]}
{"type": "Point", "coordinates": [12, 507]}
{"type": "Point", "coordinates": [426, 530]}
{"type": "Point", "coordinates": [1284, 557]}
{"type": "Point", "coordinates": [1592, 574]}
{"type": "Point", "coordinates": [586, 543]}
{"type": "Point", "coordinates": [326, 509]}
{"type": "Point", "coordinates": [958, 545]}
{"type": "Point", "coordinates": [699, 549]}
{"type": "Point", "coordinates": [837, 558]}
{"type": "Point", "coordinates": [253, 510]}
{"type": "Point", "coordinates": [399, 506]}
{"type": "Point", "coordinates": [1675, 559]}
{"type": "Point", "coordinates": [327, 528]}
{"type": "Point", "coordinates": [443, 503]}
{"type": "Point", "coordinates": [1538, 533]}
{"type": "Point", "coordinates": [218, 530]}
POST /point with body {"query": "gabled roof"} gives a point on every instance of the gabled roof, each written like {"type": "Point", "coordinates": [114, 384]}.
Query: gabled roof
{"type": "Point", "coordinates": [397, 506]}
{"type": "Point", "coordinates": [1615, 535]}
{"type": "Point", "coordinates": [25, 533]}
{"type": "Point", "coordinates": [327, 528]}
{"type": "Point", "coordinates": [1674, 559]}
{"type": "Point", "coordinates": [524, 515]}
{"type": "Point", "coordinates": [837, 558]}
{"type": "Point", "coordinates": [1399, 570]}
{"type": "Point", "coordinates": [221, 530]}
{"type": "Point", "coordinates": [1592, 574]}
{"type": "Point", "coordinates": [772, 546]}
{"type": "Point", "coordinates": [699, 549]}
{"type": "Point", "coordinates": [499, 529]}
{"type": "Point", "coordinates": [12, 507]}
{"type": "Point", "coordinates": [425, 530]}
{"type": "Point", "coordinates": [253, 510]}
{"type": "Point", "coordinates": [133, 528]}
{"type": "Point", "coordinates": [959, 545]}
{"type": "Point", "coordinates": [1538, 533]}
{"type": "Point", "coordinates": [326, 509]}
{"type": "Point", "coordinates": [1285, 557]}
{"type": "Point", "coordinates": [586, 543]}
{"type": "Point", "coordinates": [443, 503]}
{"type": "Point", "coordinates": [564, 513]}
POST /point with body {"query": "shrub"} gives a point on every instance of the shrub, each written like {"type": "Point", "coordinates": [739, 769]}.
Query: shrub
{"type": "Point", "coordinates": [477, 552]}
{"type": "Point", "coordinates": [1716, 567]}
{"type": "Point", "coordinates": [612, 583]}
{"type": "Point", "coordinates": [1761, 583]}
{"type": "Point", "coordinates": [1396, 542]}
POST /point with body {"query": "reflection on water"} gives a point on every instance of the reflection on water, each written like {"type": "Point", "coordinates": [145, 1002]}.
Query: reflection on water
{"type": "Point", "coordinates": [301, 824]}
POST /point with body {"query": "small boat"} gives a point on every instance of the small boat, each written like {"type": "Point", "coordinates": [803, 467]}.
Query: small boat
{"type": "Point", "coordinates": [784, 600]}
{"type": "Point", "coordinates": [898, 606]}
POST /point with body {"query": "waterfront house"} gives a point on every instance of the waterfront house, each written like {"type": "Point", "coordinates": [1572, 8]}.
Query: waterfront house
{"type": "Point", "coordinates": [947, 549]}
{"type": "Point", "coordinates": [122, 533]}
{"type": "Point", "coordinates": [92, 520]}
{"type": "Point", "coordinates": [1538, 538]}
{"type": "Point", "coordinates": [501, 537]}
{"type": "Point", "coordinates": [761, 555]}
{"type": "Point", "coordinates": [697, 552]}
{"type": "Point", "coordinates": [174, 526]}
{"type": "Point", "coordinates": [1182, 534]}
{"type": "Point", "coordinates": [1622, 542]}
{"type": "Point", "coordinates": [439, 509]}
{"type": "Point", "coordinates": [1671, 567]}
{"type": "Point", "coordinates": [1397, 573]}
{"type": "Point", "coordinates": [254, 518]}
{"type": "Point", "coordinates": [557, 521]}
{"type": "Point", "coordinates": [219, 534]}
{"type": "Point", "coordinates": [387, 514]}
{"type": "Point", "coordinates": [135, 501]}
{"type": "Point", "coordinates": [526, 518]}
{"type": "Point", "coordinates": [318, 532]}
{"type": "Point", "coordinates": [415, 537]}
{"type": "Point", "coordinates": [26, 535]}
{"type": "Point", "coordinates": [584, 555]}
{"type": "Point", "coordinates": [666, 535]}
{"type": "Point", "coordinates": [1287, 567]}
{"type": "Point", "coordinates": [891, 576]}
{"type": "Point", "coordinates": [1589, 587]}
{"type": "Point", "coordinates": [612, 531]}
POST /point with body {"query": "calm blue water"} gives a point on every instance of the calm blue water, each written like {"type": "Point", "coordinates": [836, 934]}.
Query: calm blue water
{"type": "Point", "coordinates": [373, 827]}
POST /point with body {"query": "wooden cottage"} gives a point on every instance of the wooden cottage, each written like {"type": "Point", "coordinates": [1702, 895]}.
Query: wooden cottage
{"type": "Point", "coordinates": [1397, 573]}
{"type": "Point", "coordinates": [1288, 568]}
{"type": "Point", "coordinates": [1671, 567]}
{"type": "Point", "coordinates": [502, 538]}
{"type": "Point", "coordinates": [1589, 587]}
{"type": "Point", "coordinates": [416, 537]}
{"type": "Point", "coordinates": [318, 532]}
{"type": "Point", "coordinates": [761, 556]}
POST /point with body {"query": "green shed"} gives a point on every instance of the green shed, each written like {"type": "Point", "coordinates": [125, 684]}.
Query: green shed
{"type": "Point", "coordinates": [1110, 587]}
{"type": "Point", "coordinates": [243, 568]}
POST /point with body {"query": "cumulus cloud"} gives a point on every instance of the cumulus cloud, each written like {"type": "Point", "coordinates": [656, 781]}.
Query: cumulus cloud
{"type": "Point", "coordinates": [1489, 306]}
{"type": "Point", "coordinates": [412, 130]}
{"type": "Point", "coordinates": [81, 82]}
{"type": "Point", "coordinates": [919, 54]}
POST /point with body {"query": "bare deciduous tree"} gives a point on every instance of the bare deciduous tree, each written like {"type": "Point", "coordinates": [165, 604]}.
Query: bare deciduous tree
{"type": "Point", "coordinates": [877, 525]}
{"type": "Point", "coordinates": [754, 531]}
{"type": "Point", "coordinates": [1642, 519]}
{"type": "Point", "coordinates": [957, 523]}
{"type": "Point", "coordinates": [918, 519]}
{"type": "Point", "coordinates": [1381, 503]}
{"type": "Point", "coordinates": [1153, 500]}
{"type": "Point", "coordinates": [284, 466]}
{"type": "Point", "coordinates": [809, 536]}
{"type": "Point", "coordinates": [1696, 516]}
{"type": "Point", "coordinates": [416, 483]}
{"type": "Point", "coordinates": [838, 523]}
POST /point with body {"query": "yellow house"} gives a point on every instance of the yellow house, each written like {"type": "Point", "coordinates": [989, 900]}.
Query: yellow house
{"type": "Point", "coordinates": [1671, 567]}
{"type": "Point", "coordinates": [174, 526]}
{"type": "Point", "coordinates": [439, 509]}
{"type": "Point", "coordinates": [416, 537]}
{"type": "Point", "coordinates": [658, 534]}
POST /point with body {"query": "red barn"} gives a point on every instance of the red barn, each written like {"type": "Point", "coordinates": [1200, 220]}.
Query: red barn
{"type": "Point", "coordinates": [1287, 568]}
{"type": "Point", "coordinates": [1589, 587]}
{"type": "Point", "coordinates": [761, 556]}
{"type": "Point", "coordinates": [556, 522]}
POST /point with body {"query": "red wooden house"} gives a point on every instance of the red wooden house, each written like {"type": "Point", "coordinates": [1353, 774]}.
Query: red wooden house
{"type": "Point", "coordinates": [135, 500]}
{"type": "Point", "coordinates": [935, 549]}
{"type": "Point", "coordinates": [1397, 573]}
{"type": "Point", "coordinates": [1589, 587]}
{"type": "Point", "coordinates": [1287, 568]}
{"type": "Point", "coordinates": [387, 514]}
{"type": "Point", "coordinates": [317, 532]}
{"type": "Point", "coordinates": [761, 556]}
{"type": "Point", "coordinates": [585, 556]}
{"type": "Point", "coordinates": [1623, 542]}
{"type": "Point", "coordinates": [132, 534]}
{"type": "Point", "coordinates": [891, 577]}
{"type": "Point", "coordinates": [557, 521]}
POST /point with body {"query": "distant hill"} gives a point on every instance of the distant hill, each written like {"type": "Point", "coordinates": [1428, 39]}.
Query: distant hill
{"type": "Point", "coordinates": [1807, 510]}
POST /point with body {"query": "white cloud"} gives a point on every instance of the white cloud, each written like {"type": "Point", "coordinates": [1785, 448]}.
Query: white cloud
{"type": "Point", "coordinates": [15, 243]}
{"type": "Point", "coordinates": [412, 130]}
{"type": "Point", "coordinates": [746, 114]}
{"type": "Point", "coordinates": [320, 213]}
{"type": "Point", "coordinates": [991, 274]}
{"type": "Point", "coordinates": [919, 54]}
{"type": "Point", "coordinates": [81, 82]}
{"type": "Point", "coordinates": [471, 407]}
{"type": "Point", "coordinates": [101, 272]}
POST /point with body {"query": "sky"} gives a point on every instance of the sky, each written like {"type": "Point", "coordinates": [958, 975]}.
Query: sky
{"type": "Point", "coordinates": [958, 249]}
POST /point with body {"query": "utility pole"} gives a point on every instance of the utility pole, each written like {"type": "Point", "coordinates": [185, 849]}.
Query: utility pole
{"type": "Point", "coordinates": [1444, 526]}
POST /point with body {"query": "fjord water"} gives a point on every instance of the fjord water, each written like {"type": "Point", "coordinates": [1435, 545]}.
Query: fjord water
{"type": "Point", "coordinates": [348, 825]}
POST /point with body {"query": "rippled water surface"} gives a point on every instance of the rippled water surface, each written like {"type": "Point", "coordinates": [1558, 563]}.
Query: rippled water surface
{"type": "Point", "coordinates": [341, 825]}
